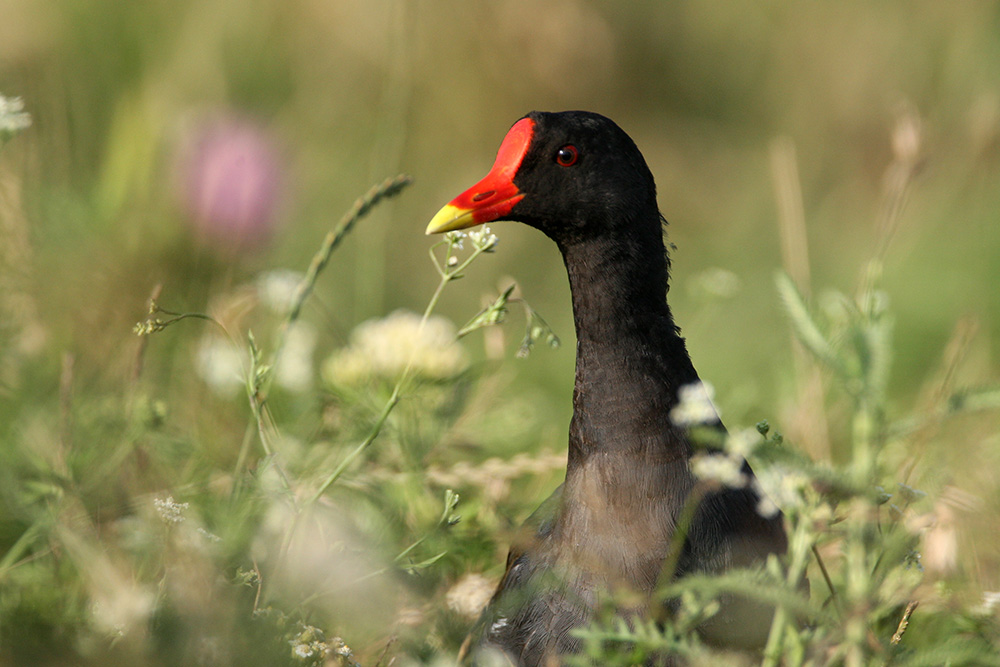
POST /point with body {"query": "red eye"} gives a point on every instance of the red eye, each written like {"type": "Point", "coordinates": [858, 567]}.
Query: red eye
{"type": "Point", "coordinates": [567, 156]}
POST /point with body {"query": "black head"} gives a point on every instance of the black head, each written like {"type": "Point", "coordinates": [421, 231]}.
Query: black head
{"type": "Point", "coordinates": [573, 175]}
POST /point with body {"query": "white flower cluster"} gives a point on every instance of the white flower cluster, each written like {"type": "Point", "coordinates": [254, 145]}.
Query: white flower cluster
{"type": "Point", "coordinates": [989, 604]}
{"type": "Point", "coordinates": [382, 348]}
{"type": "Point", "coordinates": [455, 239]}
{"type": "Point", "coordinates": [304, 651]}
{"type": "Point", "coordinates": [726, 469]}
{"type": "Point", "coordinates": [695, 407]}
{"type": "Point", "coordinates": [169, 510]}
{"type": "Point", "coordinates": [276, 289]}
{"type": "Point", "coordinates": [469, 595]}
{"type": "Point", "coordinates": [219, 364]}
{"type": "Point", "coordinates": [13, 118]}
{"type": "Point", "coordinates": [483, 239]}
{"type": "Point", "coordinates": [294, 366]}
{"type": "Point", "coordinates": [310, 644]}
{"type": "Point", "coordinates": [780, 487]}
{"type": "Point", "coordinates": [716, 282]}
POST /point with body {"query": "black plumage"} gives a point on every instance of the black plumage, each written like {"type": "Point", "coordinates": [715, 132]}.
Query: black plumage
{"type": "Point", "coordinates": [581, 180]}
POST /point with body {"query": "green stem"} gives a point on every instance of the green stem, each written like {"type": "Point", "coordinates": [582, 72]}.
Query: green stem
{"type": "Point", "coordinates": [384, 190]}
{"type": "Point", "coordinates": [446, 277]}
{"type": "Point", "coordinates": [677, 540]}
{"type": "Point", "coordinates": [369, 439]}
{"type": "Point", "coordinates": [862, 428]}
{"type": "Point", "coordinates": [241, 459]}
{"type": "Point", "coordinates": [23, 543]}
{"type": "Point", "coordinates": [259, 391]}
{"type": "Point", "coordinates": [799, 547]}
{"type": "Point", "coordinates": [826, 577]}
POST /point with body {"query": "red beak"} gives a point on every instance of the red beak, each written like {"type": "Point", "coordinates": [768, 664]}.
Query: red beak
{"type": "Point", "coordinates": [493, 197]}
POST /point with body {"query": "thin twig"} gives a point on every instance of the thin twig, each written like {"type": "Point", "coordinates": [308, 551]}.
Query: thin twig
{"type": "Point", "coordinates": [826, 577]}
{"type": "Point", "coordinates": [392, 640]}
{"type": "Point", "coordinates": [369, 439]}
{"type": "Point", "coordinates": [260, 585]}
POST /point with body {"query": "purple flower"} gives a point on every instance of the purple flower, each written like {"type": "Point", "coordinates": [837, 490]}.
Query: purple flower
{"type": "Point", "coordinates": [231, 183]}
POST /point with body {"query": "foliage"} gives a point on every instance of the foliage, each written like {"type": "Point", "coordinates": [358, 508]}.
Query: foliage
{"type": "Point", "coordinates": [857, 537]}
{"type": "Point", "coordinates": [195, 496]}
{"type": "Point", "coordinates": [104, 564]}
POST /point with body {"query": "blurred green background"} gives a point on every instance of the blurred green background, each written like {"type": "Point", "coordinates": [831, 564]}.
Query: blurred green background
{"type": "Point", "coordinates": [725, 99]}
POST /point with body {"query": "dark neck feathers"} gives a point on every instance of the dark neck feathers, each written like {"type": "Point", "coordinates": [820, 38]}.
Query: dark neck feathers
{"type": "Point", "coordinates": [630, 358]}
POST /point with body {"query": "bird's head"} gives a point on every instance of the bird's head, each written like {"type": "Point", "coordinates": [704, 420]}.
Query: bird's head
{"type": "Point", "coordinates": [573, 175]}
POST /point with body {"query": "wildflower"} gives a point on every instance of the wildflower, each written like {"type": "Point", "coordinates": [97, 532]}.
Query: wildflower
{"type": "Point", "coordinates": [537, 330]}
{"type": "Point", "coordinates": [294, 367]}
{"type": "Point", "coordinates": [766, 507]}
{"type": "Point", "coordinates": [742, 443]}
{"type": "Point", "coordinates": [231, 183]}
{"type": "Point", "coordinates": [303, 651]}
{"type": "Point", "coordinates": [695, 405]}
{"type": "Point", "coordinates": [455, 239]}
{"type": "Point", "coordinates": [483, 239]}
{"type": "Point", "coordinates": [276, 289]}
{"type": "Point", "coordinates": [148, 327]}
{"type": "Point", "coordinates": [120, 606]}
{"type": "Point", "coordinates": [341, 648]}
{"type": "Point", "coordinates": [909, 494]}
{"type": "Point", "coordinates": [779, 487]}
{"type": "Point", "coordinates": [716, 282]}
{"type": "Point", "coordinates": [310, 643]}
{"type": "Point", "coordinates": [722, 468]}
{"type": "Point", "coordinates": [169, 510]}
{"type": "Point", "coordinates": [211, 537]}
{"type": "Point", "coordinates": [989, 604]}
{"type": "Point", "coordinates": [219, 364]}
{"type": "Point", "coordinates": [940, 541]}
{"type": "Point", "coordinates": [469, 595]}
{"type": "Point", "coordinates": [383, 348]}
{"type": "Point", "coordinates": [13, 118]}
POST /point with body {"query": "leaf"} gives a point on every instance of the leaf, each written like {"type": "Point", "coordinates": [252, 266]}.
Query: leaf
{"type": "Point", "coordinates": [981, 398]}
{"type": "Point", "coordinates": [495, 313]}
{"type": "Point", "coordinates": [537, 330]}
{"type": "Point", "coordinates": [424, 563]}
{"type": "Point", "coordinates": [804, 325]}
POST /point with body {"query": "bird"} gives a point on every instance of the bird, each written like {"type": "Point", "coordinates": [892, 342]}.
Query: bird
{"type": "Point", "coordinates": [580, 179]}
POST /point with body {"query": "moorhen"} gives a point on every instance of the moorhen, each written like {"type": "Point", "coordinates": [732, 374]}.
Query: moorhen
{"type": "Point", "coordinates": [580, 179]}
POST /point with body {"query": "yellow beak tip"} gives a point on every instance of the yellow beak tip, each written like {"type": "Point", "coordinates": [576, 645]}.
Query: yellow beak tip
{"type": "Point", "coordinates": [450, 218]}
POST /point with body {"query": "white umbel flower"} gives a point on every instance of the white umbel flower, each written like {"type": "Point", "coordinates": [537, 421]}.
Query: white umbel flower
{"type": "Point", "coordinates": [294, 367]}
{"type": "Point", "coordinates": [276, 289]}
{"type": "Point", "coordinates": [695, 405]}
{"type": "Point", "coordinates": [13, 118]}
{"type": "Point", "coordinates": [470, 594]}
{"type": "Point", "coordinates": [725, 469]}
{"type": "Point", "coordinates": [382, 348]}
{"type": "Point", "coordinates": [219, 364]}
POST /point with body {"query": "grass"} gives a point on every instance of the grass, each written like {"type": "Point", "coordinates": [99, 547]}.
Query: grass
{"type": "Point", "coordinates": [198, 496]}
{"type": "Point", "coordinates": [339, 548]}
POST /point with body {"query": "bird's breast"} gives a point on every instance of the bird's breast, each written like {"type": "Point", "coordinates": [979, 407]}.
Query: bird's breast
{"type": "Point", "coordinates": [619, 516]}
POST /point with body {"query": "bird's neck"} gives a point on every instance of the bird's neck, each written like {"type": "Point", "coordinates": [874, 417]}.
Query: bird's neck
{"type": "Point", "coordinates": [630, 359]}
{"type": "Point", "coordinates": [627, 476]}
